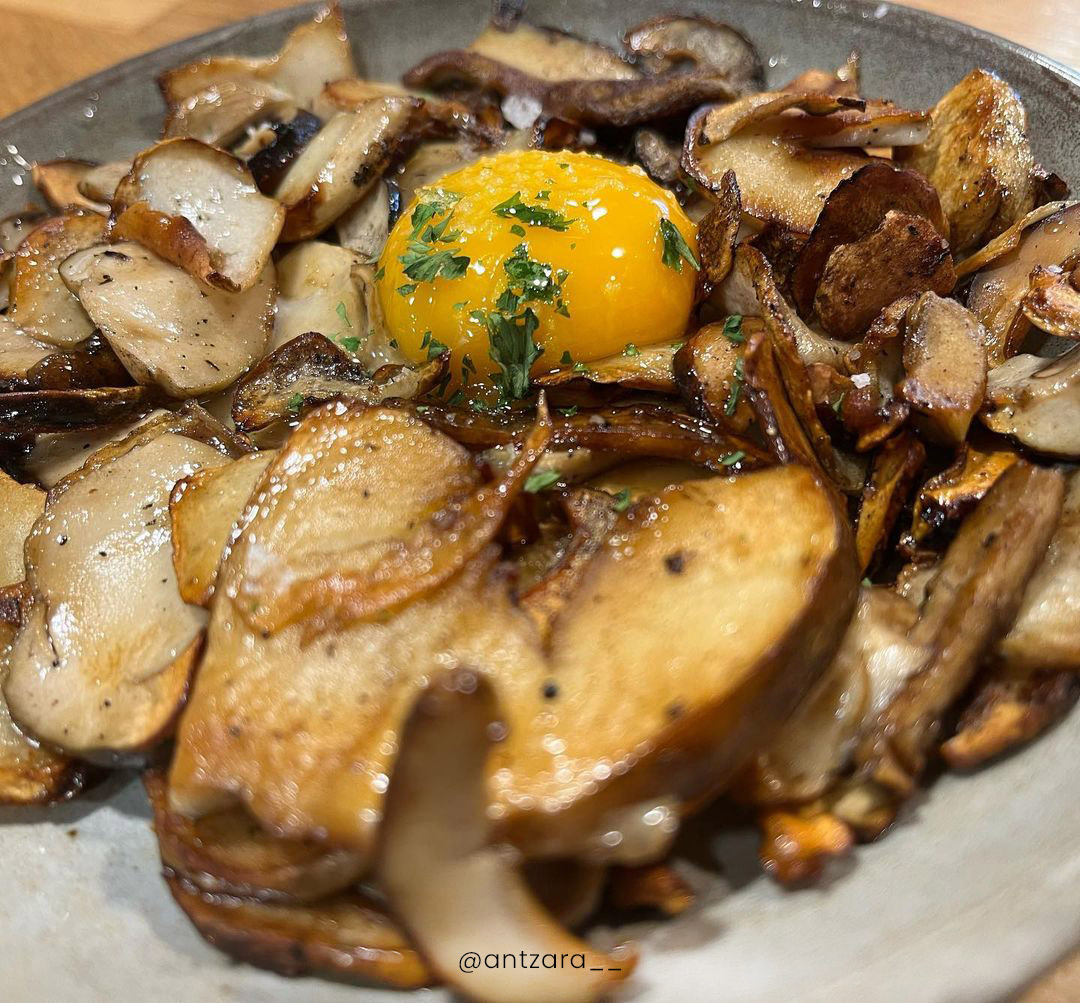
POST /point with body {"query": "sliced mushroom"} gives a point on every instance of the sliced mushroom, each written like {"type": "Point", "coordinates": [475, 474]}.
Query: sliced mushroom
{"type": "Point", "coordinates": [945, 363]}
{"type": "Point", "coordinates": [229, 854]}
{"type": "Point", "coordinates": [363, 229]}
{"type": "Point", "coordinates": [101, 663]}
{"type": "Point", "coordinates": [60, 183]}
{"type": "Point", "coordinates": [892, 476]}
{"type": "Point", "coordinates": [905, 255]}
{"type": "Point", "coordinates": [1007, 712]}
{"type": "Point", "coordinates": [204, 510]}
{"type": "Point", "coordinates": [1036, 401]}
{"type": "Point", "coordinates": [708, 371]}
{"type": "Point", "coordinates": [25, 412]}
{"type": "Point", "coordinates": [349, 936]}
{"type": "Point", "coordinates": [796, 844]}
{"type": "Point", "coordinates": [671, 41]}
{"type": "Point", "coordinates": [971, 602]}
{"type": "Point", "coordinates": [815, 746]}
{"type": "Point", "coordinates": [1052, 302]}
{"type": "Point", "coordinates": [199, 208]}
{"type": "Point", "coordinates": [551, 55]}
{"type": "Point", "coordinates": [998, 289]}
{"type": "Point", "coordinates": [221, 113]}
{"type": "Point", "coordinates": [317, 292]}
{"type": "Point", "coordinates": [99, 183]}
{"type": "Point", "coordinates": [41, 304]}
{"type": "Point", "coordinates": [1008, 240]}
{"type": "Point", "coordinates": [427, 164]}
{"type": "Point", "coordinates": [779, 179]}
{"type": "Point", "coordinates": [15, 228]}
{"type": "Point", "coordinates": [645, 368]}
{"type": "Point", "coordinates": [841, 82]}
{"type": "Point", "coordinates": [978, 158]}
{"type": "Point", "coordinates": [167, 327]}
{"type": "Point", "coordinates": [651, 886]}
{"type": "Point", "coordinates": [313, 54]}
{"type": "Point", "coordinates": [29, 364]}
{"type": "Point", "coordinates": [718, 232]}
{"type": "Point", "coordinates": [853, 210]}
{"type": "Point", "coordinates": [309, 370]}
{"type": "Point", "coordinates": [876, 124]}
{"type": "Point", "coordinates": [359, 145]}
{"type": "Point", "coordinates": [1046, 634]}
{"type": "Point", "coordinates": [286, 140]}
{"type": "Point", "coordinates": [949, 496]}
{"type": "Point", "coordinates": [446, 880]}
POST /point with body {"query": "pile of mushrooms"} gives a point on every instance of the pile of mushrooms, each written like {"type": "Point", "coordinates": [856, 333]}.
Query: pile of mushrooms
{"type": "Point", "coordinates": [406, 677]}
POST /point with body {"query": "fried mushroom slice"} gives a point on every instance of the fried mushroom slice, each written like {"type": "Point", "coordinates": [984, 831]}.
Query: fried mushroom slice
{"type": "Point", "coordinates": [199, 208]}
{"type": "Point", "coordinates": [447, 881]}
{"type": "Point", "coordinates": [314, 54]}
{"type": "Point", "coordinates": [311, 369]}
{"type": "Point", "coordinates": [1008, 711]}
{"type": "Point", "coordinates": [168, 328]}
{"type": "Point", "coordinates": [41, 304]}
{"type": "Point", "coordinates": [647, 368]}
{"type": "Point", "coordinates": [221, 113]}
{"type": "Point", "coordinates": [60, 181]}
{"type": "Point", "coordinates": [229, 854]}
{"type": "Point", "coordinates": [29, 364]}
{"type": "Point", "coordinates": [892, 475]}
{"type": "Point", "coordinates": [298, 728]}
{"type": "Point", "coordinates": [904, 255]}
{"type": "Point", "coordinates": [998, 290]}
{"type": "Point", "coordinates": [1052, 302]}
{"type": "Point", "coordinates": [101, 662]}
{"type": "Point", "coordinates": [650, 886]}
{"type": "Point", "coordinates": [349, 936]}
{"type": "Point", "coordinates": [28, 412]}
{"type": "Point", "coordinates": [1036, 402]}
{"type": "Point", "coordinates": [551, 55]}
{"type": "Point", "coordinates": [853, 210]}
{"type": "Point", "coordinates": [709, 372]}
{"type": "Point", "coordinates": [359, 145]}
{"type": "Point", "coordinates": [204, 509]}
{"type": "Point", "coordinates": [1046, 634]}
{"type": "Point", "coordinates": [796, 844]}
{"type": "Point", "coordinates": [978, 158]}
{"type": "Point", "coordinates": [971, 601]}
{"type": "Point", "coordinates": [779, 180]}
{"type": "Point", "coordinates": [29, 772]}
{"type": "Point", "coordinates": [670, 42]}
{"type": "Point", "coordinates": [945, 365]}
{"type": "Point", "coordinates": [686, 720]}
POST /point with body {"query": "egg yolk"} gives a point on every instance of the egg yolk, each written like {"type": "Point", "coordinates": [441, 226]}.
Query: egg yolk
{"type": "Point", "coordinates": [581, 255]}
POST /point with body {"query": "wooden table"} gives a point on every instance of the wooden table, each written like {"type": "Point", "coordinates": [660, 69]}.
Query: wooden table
{"type": "Point", "coordinates": [49, 43]}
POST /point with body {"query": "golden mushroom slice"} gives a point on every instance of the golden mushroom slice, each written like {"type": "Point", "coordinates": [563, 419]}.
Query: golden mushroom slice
{"type": "Point", "coordinates": [551, 55]}
{"type": "Point", "coordinates": [686, 719]}
{"type": "Point", "coordinates": [349, 936]}
{"type": "Point", "coordinates": [199, 208]}
{"type": "Point", "coordinates": [204, 508]}
{"type": "Point", "coordinates": [1046, 634]}
{"type": "Point", "coordinates": [41, 303]}
{"type": "Point", "coordinates": [342, 162]}
{"type": "Point", "coordinates": [1036, 401]}
{"type": "Point", "coordinates": [978, 158]}
{"type": "Point", "coordinates": [167, 327]}
{"type": "Point", "coordinates": [228, 853]}
{"type": "Point", "coordinates": [101, 662]}
{"type": "Point", "coordinates": [314, 54]}
{"type": "Point", "coordinates": [61, 185]}
{"type": "Point", "coordinates": [454, 889]}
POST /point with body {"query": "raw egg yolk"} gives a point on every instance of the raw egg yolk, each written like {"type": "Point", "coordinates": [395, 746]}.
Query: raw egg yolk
{"type": "Point", "coordinates": [582, 255]}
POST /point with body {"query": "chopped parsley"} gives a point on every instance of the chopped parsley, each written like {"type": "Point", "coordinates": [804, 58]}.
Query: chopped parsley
{"type": "Point", "coordinates": [541, 481]}
{"type": "Point", "coordinates": [736, 388]}
{"type": "Point", "coordinates": [352, 344]}
{"type": "Point", "coordinates": [568, 412]}
{"type": "Point", "coordinates": [380, 274]}
{"type": "Point", "coordinates": [867, 583]}
{"type": "Point", "coordinates": [511, 346]}
{"type": "Point", "coordinates": [434, 347]}
{"type": "Point", "coordinates": [567, 359]}
{"type": "Point", "coordinates": [343, 313]}
{"type": "Point", "coordinates": [838, 403]}
{"type": "Point", "coordinates": [732, 458]}
{"type": "Point", "coordinates": [544, 195]}
{"type": "Point", "coordinates": [580, 367]}
{"type": "Point", "coordinates": [733, 329]}
{"type": "Point", "coordinates": [631, 349]}
{"type": "Point", "coordinates": [676, 249]}
{"type": "Point", "coordinates": [458, 307]}
{"type": "Point", "coordinates": [407, 290]}
{"type": "Point", "coordinates": [423, 261]}
{"type": "Point", "coordinates": [295, 402]}
{"type": "Point", "coordinates": [532, 215]}
{"type": "Point", "coordinates": [622, 500]}
{"type": "Point", "coordinates": [517, 230]}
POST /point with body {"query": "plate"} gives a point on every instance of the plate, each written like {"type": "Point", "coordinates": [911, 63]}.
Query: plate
{"type": "Point", "coordinates": [974, 893]}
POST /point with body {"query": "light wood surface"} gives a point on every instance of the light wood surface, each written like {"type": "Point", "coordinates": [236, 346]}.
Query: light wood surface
{"type": "Point", "coordinates": [50, 43]}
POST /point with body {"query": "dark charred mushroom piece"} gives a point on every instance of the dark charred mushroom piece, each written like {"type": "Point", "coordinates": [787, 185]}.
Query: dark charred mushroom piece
{"type": "Point", "coordinates": [271, 163]}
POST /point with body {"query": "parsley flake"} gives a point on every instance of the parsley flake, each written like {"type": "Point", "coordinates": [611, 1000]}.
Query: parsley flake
{"type": "Point", "coordinates": [567, 359]}
{"type": "Point", "coordinates": [351, 344]}
{"type": "Point", "coordinates": [380, 274]}
{"type": "Point", "coordinates": [406, 290]}
{"type": "Point", "coordinates": [733, 329]}
{"type": "Point", "coordinates": [676, 249]}
{"type": "Point", "coordinates": [631, 349]}
{"type": "Point", "coordinates": [732, 458]}
{"type": "Point", "coordinates": [517, 230]}
{"type": "Point", "coordinates": [294, 403]}
{"type": "Point", "coordinates": [541, 481]}
{"type": "Point", "coordinates": [343, 313]}
{"type": "Point", "coordinates": [568, 412]}
{"type": "Point", "coordinates": [736, 388]}
{"type": "Point", "coordinates": [532, 215]}
{"type": "Point", "coordinates": [622, 500]}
